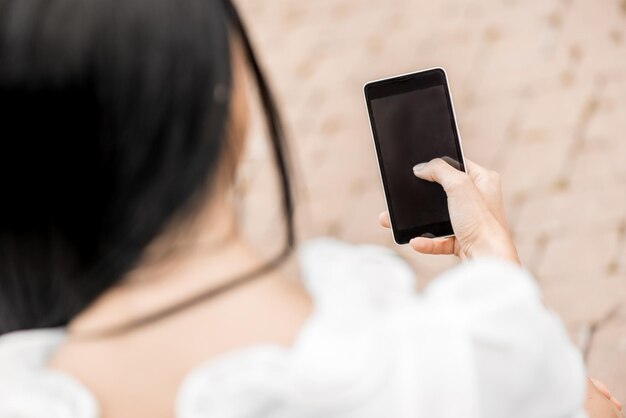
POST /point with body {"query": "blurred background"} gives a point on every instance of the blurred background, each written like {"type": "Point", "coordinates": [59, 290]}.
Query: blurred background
{"type": "Point", "coordinates": [540, 95]}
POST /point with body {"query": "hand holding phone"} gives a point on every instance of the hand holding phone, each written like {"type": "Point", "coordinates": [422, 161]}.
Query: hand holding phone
{"type": "Point", "coordinates": [472, 199]}
{"type": "Point", "coordinates": [476, 213]}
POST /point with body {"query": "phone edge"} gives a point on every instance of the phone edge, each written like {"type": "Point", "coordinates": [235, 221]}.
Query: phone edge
{"type": "Point", "coordinates": [380, 174]}
{"type": "Point", "coordinates": [456, 120]}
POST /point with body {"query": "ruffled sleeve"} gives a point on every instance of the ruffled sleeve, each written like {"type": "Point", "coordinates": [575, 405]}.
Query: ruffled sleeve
{"type": "Point", "coordinates": [29, 390]}
{"type": "Point", "coordinates": [477, 343]}
{"type": "Point", "coordinates": [489, 348]}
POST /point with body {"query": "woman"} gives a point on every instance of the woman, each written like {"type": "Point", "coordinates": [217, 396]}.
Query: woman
{"type": "Point", "coordinates": [127, 291]}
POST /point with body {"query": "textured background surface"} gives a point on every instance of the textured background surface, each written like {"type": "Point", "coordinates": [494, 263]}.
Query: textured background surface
{"type": "Point", "coordinates": [540, 93]}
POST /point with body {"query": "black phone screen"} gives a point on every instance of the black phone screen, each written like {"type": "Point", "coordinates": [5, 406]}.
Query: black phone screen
{"type": "Point", "coordinates": [413, 122]}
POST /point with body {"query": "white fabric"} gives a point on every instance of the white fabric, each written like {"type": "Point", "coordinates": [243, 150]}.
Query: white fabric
{"type": "Point", "coordinates": [477, 343]}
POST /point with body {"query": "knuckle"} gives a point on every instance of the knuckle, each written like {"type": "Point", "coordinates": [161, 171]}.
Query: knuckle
{"type": "Point", "coordinates": [459, 181]}
{"type": "Point", "coordinates": [437, 162]}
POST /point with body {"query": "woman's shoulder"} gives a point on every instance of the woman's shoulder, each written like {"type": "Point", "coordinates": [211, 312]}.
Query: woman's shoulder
{"type": "Point", "coordinates": [340, 356]}
{"type": "Point", "coordinates": [22, 353]}
{"type": "Point", "coordinates": [340, 359]}
{"type": "Point", "coordinates": [29, 389]}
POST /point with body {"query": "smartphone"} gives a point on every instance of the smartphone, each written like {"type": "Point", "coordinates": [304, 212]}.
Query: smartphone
{"type": "Point", "coordinates": [412, 120]}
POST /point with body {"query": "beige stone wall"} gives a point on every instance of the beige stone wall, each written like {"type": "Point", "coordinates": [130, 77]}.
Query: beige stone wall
{"type": "Point", "coordinates": [540, 92]}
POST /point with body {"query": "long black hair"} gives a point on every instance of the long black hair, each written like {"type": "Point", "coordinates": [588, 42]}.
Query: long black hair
{"type": "Point", "coordinates": [114, 115]}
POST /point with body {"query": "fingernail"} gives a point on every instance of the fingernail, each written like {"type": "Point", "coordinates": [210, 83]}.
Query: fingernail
{"type": "Point", "coordinates": [419, 167]}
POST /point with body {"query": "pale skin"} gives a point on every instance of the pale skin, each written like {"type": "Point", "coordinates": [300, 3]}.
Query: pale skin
{"type": "Point", "coordinates": [138, 374]}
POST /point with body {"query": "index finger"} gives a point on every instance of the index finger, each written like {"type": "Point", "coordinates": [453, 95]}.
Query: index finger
{"type": "Point", "coordinates": [439, 171]}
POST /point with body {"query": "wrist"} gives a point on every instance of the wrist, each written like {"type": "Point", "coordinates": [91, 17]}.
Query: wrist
{"type": "Point", "coordinates": [496, 243]}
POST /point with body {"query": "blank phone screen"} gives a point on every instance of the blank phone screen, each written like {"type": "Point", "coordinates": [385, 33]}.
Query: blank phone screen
{"type": "Point", "coordinates": [414, 127]}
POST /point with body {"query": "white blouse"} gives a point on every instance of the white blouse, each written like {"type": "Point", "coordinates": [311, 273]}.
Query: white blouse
{"type": "Point", "coordinates": [477, 343]}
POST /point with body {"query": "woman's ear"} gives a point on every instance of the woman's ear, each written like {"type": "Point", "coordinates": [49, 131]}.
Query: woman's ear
{"type": "Point", "coordinates": [239, 111]}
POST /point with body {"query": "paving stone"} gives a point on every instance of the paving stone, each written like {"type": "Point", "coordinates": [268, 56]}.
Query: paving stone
{"type": "Point", "coordinates": [567, 257]}
{"type": "Point", "coordinates": [484, 142]}
{"type": "Point", "coordinates": [586, 210]}
{"type": "Point", "coordinates": [536, 161]}
{"type": "Point", "coordinates": [582, 303]}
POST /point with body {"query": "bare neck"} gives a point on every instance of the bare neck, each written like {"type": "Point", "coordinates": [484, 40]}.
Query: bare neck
{"type": "Point", "coordinates": [155, 359]}
{"type": "Point", "coordinates": [204, 254]}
